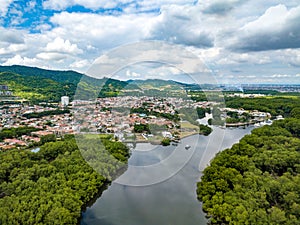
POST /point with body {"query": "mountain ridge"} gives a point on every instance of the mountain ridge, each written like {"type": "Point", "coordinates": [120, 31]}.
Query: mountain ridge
{"type": "Point", "coordinates": [39, 84]}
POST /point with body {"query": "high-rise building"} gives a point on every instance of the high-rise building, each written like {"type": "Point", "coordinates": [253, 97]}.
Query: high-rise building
{"type": "Point", "coordinates": [65, 101]}
{"type": "Point", "coordinates": [4, 90]}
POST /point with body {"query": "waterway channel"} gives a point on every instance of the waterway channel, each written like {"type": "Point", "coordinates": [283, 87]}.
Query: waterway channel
{"type": "Point", "coordinates": [159, 186]}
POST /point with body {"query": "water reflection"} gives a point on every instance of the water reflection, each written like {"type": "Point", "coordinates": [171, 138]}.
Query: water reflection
{"type": "Point", "coordinates": [172, 201]}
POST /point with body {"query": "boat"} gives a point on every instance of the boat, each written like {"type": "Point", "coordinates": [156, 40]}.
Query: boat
{"type": "Point", "coordinates": [187, 147]}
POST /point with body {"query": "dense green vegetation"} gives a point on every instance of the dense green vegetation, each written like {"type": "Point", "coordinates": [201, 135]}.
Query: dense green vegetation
{"type": "Point", "coordinates": [46, 113]}
{"type": "Point", "coordinates": [38, 85]}
{"type": "Point", "coordinates": [234, 117]}
{"type": "Point", "coordinates": [274, 105]}
{"type": "Point", "coordinates": [47, 138]}
{"type": "Point", "coordinates": [205, 130]}
{"type": "Point", "coordinates": [256, 181]}
{"type": "Point", "coordinates": [166, 141]}
{"type": "Point", "coordinates": [56, 75]}
{"type": "Point", "coordinates": [31, 88]}
{"type": "Point", "coordinates": [53, 185]}
{"type": "Point", "coordinates": [16, 132]}
{"type": "Point", "coordinates": [141, 128]}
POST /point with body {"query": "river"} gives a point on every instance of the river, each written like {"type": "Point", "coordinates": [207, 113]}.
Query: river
{"type": "Point", "coordinates": [159, 186]}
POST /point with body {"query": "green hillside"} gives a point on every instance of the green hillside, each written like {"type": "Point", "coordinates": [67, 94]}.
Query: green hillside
{"type": "Point", "coordinates": [37, 84]}
{"type": "Point", "coordinates": [31, 88]}
{"type": "Point", "coordinates": [56, 75]}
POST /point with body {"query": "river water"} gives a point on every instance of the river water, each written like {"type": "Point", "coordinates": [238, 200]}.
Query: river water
{"type": "Point", "coordinates": [159, 186]}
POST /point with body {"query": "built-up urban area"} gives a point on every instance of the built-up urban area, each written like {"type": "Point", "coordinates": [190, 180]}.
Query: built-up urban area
{"type": "Point", "coordinates": [128, 118]}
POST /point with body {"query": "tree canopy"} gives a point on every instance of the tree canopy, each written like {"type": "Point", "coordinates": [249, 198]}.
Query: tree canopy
{"type": "Point", "coordinates": [257, 180]}
{"type": "Point", "coordinates": [53, 185]}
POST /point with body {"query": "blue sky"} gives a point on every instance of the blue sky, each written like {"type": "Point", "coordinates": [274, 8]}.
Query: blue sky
{"type": "Point", "coordinates": [240, 41]}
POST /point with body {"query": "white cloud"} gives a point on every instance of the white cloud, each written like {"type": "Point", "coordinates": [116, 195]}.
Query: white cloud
{"type": "Point", "coordinates": [129, 6]}
{"type": "Point", "coordinates": [90, 4]}
{"type": "Point", "coordinates": [132, 74]}
{"type": "Point", "coordinates": [101, 31]}
{"type": "Point", "coordinates": [56, 4]}
{"type": "Point", "coordinates": [146, 5]}
{"type": "Point", "coordinates": [182, 25]}
{"type": "Point", "coordinates": [18, 60]}
{"type": "Point", "coordinates": [51, 56]}
{"type": "Point", "coordinates": [279, 76]}
{"type": "Point", "coordinates": [60, 45]}
{"type": "Point", "coordinates": [11, 36]}
{"type": "Point", "coordinates": [30, 5]}
{"type": "Point", "coordinates": [274, 15]}
{"type": "Point", "coordinates": [227, 58]}
{"type": "Point", "coordinates": [277, 28]}
{"type": "Point", "coordinates": [4, 6]}
{"type": "Point", "coordinates": [289, 56]}
{"type": "Point", "coordinates": [13, 49]}
{"type": "Point", "coordinates": [219, 7]}
{"type": "Point", "coordinates": [80, 64]}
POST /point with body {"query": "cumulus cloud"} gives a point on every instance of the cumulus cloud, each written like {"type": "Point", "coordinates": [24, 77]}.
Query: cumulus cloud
{"type": "Point", "coordinates": [51, 56]}
{"type": "Point", "coordinates": [101, 31]}
{"type": "Point", "coordinates": [56, 4]}
{"type": "Point", "coordinates": [181, 25]}
{"type": "Point", "coordinates": [60, 45]}
{"type": "Point", "coordinates": [12, 49]}
{"type": "Point", "coordinates": [89, 4]}
{"type": "Point", "coordinates": [290, 57]}
{"type": "Point", "coordinates": [80, 64]}
{"type": "Point", "coordinates": [19, 60]}
{"type": "Point", "coordinates": [277, 28]}
{"type": "Point", "coordinates": [132, 74]}
{"type": "Point", "coordinates": [11, 36]}
{"type": "Point", "coordinates": [128, 6]}
{"type": "Point", "coordinates": [219, 7]}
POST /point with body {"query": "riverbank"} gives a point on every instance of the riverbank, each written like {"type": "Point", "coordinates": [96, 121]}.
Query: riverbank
{"type": "Point", "coordinates": [247, 123]}
{"type": "Point", "coordinates": [240, 124]}
{"type": "Point", "coordinates": [178, 169]}
{"type": "Point", "coordinates": [141, 139]}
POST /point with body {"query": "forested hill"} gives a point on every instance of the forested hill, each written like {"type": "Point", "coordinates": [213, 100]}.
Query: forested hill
{"type": "Point", "coordinates": [37, 84]}
{"type": "Point", "coordinates": [56, 75]}
{"type": "Point", "coordinates": [256, 181]}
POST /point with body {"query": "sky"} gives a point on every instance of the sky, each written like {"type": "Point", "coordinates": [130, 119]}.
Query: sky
{"type": "Point", "coordinates": [239, 41]}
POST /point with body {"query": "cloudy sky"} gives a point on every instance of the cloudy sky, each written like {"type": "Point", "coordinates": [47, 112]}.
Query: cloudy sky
{"type": "Point", "coordinates": [240, 41]}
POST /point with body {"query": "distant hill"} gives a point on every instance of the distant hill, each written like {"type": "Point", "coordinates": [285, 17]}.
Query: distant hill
{"type": "Point", "coordinates": [49, 85]}
{"type": "Point", "coordinates": [29, 87]}
{"type": "Point", "coordinates": [56, 75]}
{"type": "Point", "coordinates": [38, 84]}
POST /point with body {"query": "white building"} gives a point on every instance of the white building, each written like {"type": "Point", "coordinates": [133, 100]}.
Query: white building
{"type": "Point", "coordinates": [65, 100]}
{"type": "Point", "coordinates": [166, 134]}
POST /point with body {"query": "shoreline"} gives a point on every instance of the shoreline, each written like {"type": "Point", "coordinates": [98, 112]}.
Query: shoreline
{"type": "Point", "coordinates": [187, 134]}
{"type": "Point", "coordinates": [239, 124]}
